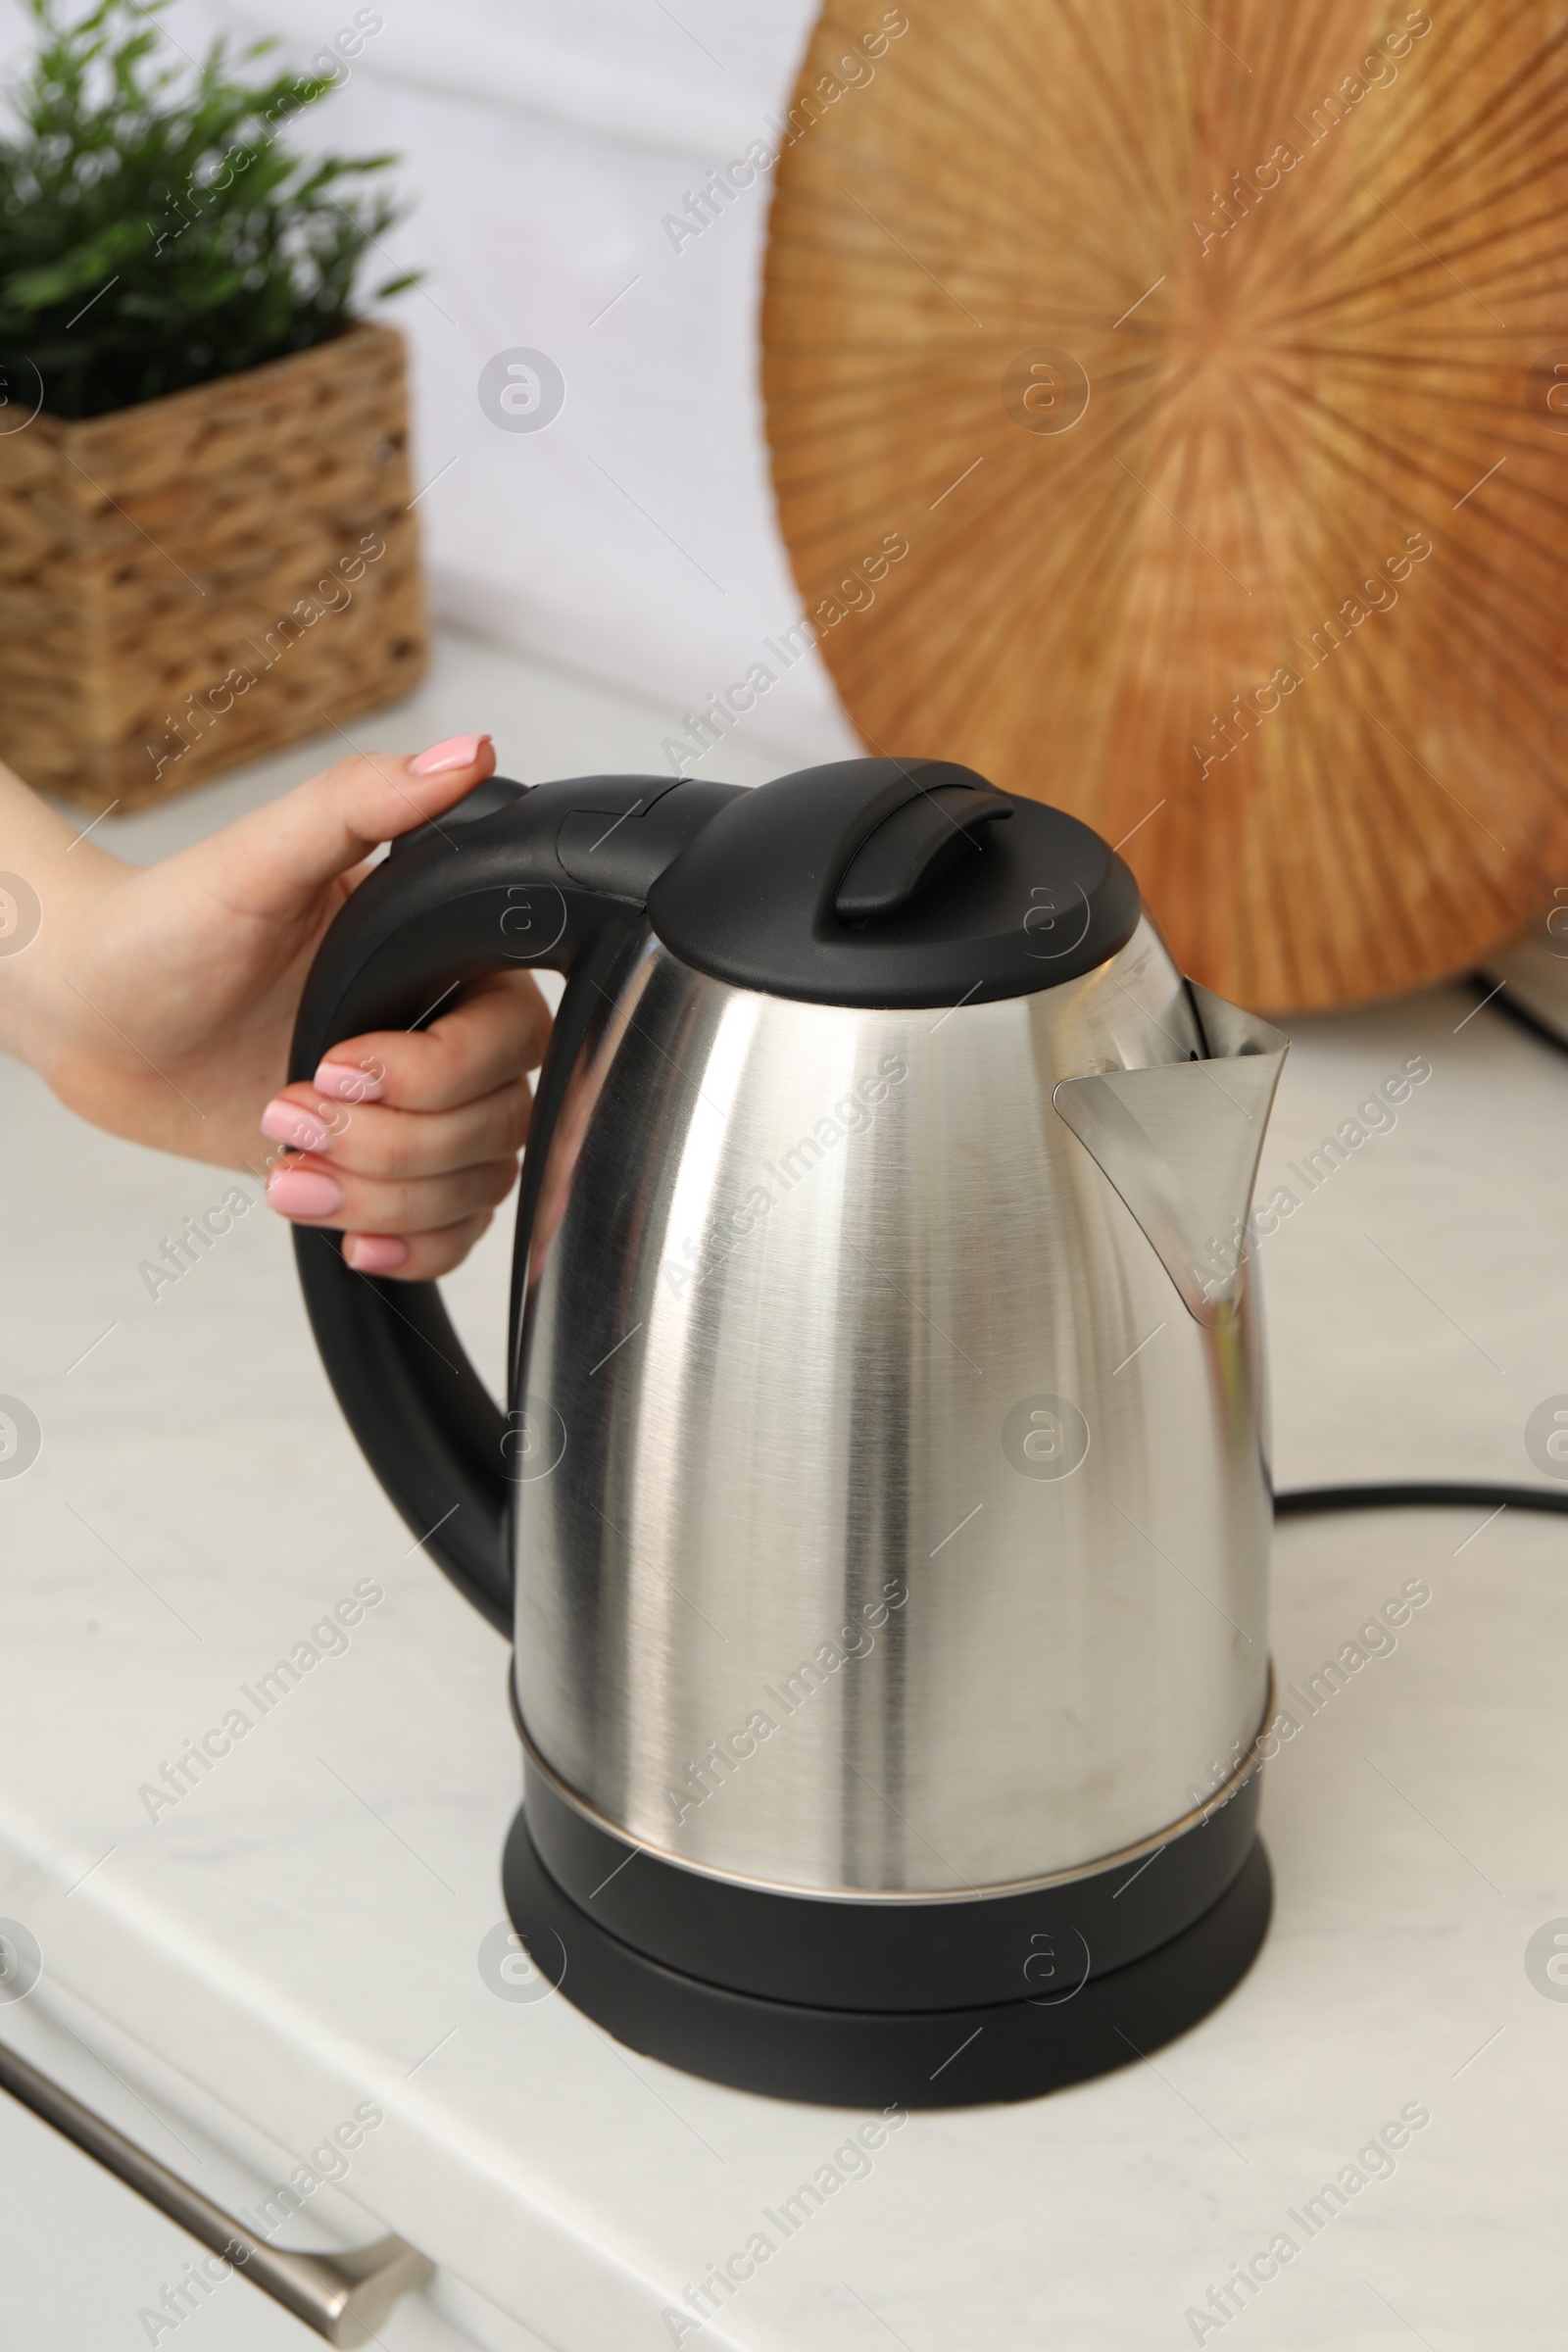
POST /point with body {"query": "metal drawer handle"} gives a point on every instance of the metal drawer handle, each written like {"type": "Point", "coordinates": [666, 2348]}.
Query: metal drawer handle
{"type": "Point", "coordinates": [344, 2297]}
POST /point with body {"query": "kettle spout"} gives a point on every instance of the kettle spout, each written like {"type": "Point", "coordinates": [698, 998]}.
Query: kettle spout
{"type": "Point", "coordinates": [1181, 1144]}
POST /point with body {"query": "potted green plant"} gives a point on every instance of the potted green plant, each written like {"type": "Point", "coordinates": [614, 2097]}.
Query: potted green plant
{"type": "Point", "coordinates": [206, 549]}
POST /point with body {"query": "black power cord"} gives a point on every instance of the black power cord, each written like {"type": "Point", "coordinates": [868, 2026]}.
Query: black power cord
{"type": "Point", "coordinates": [1412, 1494]}
{"type": "Point", "coordinates": [1519, 1015]}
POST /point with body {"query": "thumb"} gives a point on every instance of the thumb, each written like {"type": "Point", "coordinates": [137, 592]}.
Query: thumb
{"type": "Point", "coordinates": [277, 860]}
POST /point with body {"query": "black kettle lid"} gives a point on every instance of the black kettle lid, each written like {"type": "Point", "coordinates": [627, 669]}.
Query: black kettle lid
{"type": "Point", "coordinates": [894, 883]}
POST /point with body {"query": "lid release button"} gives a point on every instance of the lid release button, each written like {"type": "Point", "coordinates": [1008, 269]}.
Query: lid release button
{"type": "Point", "coordinates": [913, 847]}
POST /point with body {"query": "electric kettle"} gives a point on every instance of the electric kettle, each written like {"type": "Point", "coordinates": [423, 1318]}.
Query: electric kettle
{"type": "Point", "coordinates": [882, 1504]}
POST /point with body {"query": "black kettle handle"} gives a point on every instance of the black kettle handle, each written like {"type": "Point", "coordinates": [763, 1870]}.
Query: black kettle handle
{"type": "Point", "coordinates": [512, 876]}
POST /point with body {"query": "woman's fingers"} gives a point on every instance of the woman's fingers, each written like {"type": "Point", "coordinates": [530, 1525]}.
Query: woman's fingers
{"type": "Point", "coordinates": [406, 1140]}
{"type": "Point", "coordinates": [496, 1033]}
{"type": "Point", "coordinates": [309, 1190]}
{"type": "Point", "coordinates": [421, 1257]}
{"type": "Point", "coordinates": [370, 1138]}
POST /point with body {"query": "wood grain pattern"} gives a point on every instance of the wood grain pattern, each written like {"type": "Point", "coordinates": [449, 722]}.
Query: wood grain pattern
{"type": "Point", "coordinates": [1198, 616]}
{"type": "Point", "coordinates": [193, 583]}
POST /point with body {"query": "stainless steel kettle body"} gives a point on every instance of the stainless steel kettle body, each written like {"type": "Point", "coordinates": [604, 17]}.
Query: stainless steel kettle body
{"type": "Point", "coordinates": [882, 1504]}
{"type": "Point", "coordinates": [887, 1523]}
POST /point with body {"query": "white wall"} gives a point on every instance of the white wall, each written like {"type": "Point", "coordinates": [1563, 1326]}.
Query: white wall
{"type": "Point", "coordinates": [545, 140]}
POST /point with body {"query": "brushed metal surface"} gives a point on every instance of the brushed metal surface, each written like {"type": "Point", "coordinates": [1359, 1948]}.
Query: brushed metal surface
{"type": "Point", "coordinates": [1251, 1762]}
{"type": "Point", "coordinates": [885, 1520]}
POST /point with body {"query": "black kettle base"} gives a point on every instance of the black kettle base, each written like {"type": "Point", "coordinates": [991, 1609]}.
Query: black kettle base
{"type": "Point", "coordinates": [879, 2058]}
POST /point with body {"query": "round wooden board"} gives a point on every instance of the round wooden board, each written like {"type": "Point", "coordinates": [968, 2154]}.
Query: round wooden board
{"type": "Point", "coordinates": [1212, 370]}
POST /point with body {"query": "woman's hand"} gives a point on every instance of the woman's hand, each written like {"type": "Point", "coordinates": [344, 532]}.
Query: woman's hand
{"type": "Point", "coordinates": [158, 1002]}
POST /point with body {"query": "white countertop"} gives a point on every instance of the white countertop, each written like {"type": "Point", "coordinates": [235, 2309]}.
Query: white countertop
{"type": "Point", "coordinates": [301, 1933]}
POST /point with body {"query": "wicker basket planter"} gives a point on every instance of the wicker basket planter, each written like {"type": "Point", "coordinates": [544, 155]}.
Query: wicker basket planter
{"type": "Point", "coordinates": [203, 579]}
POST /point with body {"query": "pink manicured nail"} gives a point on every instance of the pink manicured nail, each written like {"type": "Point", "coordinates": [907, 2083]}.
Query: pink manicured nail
{"type": "Point", "coordinates": [302, 1192]}
{"type": "Point", "coordinates": [374, 1253]}
{"type": "Point", "coordinates": [346, 1083]}
{"type": "Point", "coordinates": [287, 1122]}
{"type": "Point", "coordinates": [459, 750]}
